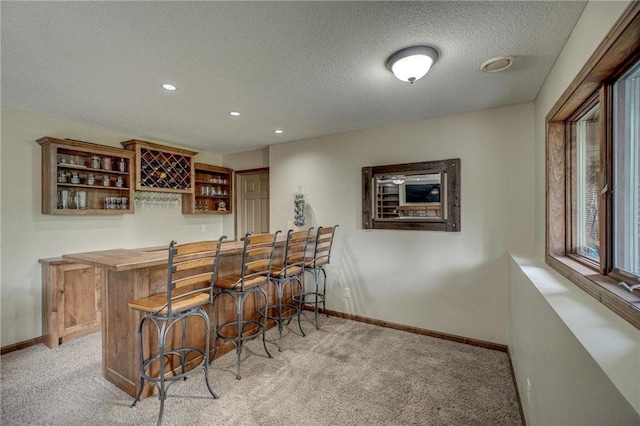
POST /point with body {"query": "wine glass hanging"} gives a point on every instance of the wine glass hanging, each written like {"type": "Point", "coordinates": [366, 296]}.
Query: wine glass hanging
{"type": "Point", "coordinates": [151, 198]}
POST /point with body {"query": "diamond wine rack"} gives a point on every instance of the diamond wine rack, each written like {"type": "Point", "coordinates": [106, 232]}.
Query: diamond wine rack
{"type": "Point", "coordinates": [161, 168]}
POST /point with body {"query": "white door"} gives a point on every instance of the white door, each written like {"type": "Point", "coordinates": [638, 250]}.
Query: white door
{"type": "Point", "coordinates": [253, 202]}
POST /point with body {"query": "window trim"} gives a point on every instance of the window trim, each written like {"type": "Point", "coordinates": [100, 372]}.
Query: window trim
{"type": "Point", "coordinates": [619, 49]}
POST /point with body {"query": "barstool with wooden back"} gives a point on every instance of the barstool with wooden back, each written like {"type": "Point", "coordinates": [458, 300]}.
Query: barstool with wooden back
{"type": "Point", "coordinates": [257, 257]}
{"type": "Point", "coordinates": [189, 291]}
{"type": "Point", "coordinates": [315, 266]}
{"type": "Point", "coordinates": [290, 270]}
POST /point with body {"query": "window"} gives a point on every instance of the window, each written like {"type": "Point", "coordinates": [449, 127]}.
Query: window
{"type": "Point", "coordinates": [626, 181]}
{"type": "Point", "coordinates": [593, 173]}
{"type": "Point", "coordinates": [587, 188]}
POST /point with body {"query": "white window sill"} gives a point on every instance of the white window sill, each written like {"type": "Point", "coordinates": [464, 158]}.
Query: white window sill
{"type": "Point", "coordinates": [611, 341]}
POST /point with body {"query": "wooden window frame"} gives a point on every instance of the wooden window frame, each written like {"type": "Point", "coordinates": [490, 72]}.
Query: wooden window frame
{"type": "Point", "coordinates": [619, 49]}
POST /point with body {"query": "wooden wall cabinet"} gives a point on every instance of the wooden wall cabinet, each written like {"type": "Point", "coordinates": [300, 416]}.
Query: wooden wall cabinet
{"type": "Point", "coordinates": [162, 168]}
{"type": "Point", "coordinates": [85, 178]}
{"type": "Point", "coordinates": [71, 300]}
{"type": "Point", "coordinates": [213, 191]}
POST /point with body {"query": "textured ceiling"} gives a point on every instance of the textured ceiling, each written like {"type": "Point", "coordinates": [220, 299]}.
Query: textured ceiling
{"type": "Point", "coordinates": [310, 68]}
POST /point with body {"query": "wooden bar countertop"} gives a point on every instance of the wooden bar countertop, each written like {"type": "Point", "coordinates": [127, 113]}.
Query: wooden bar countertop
{"type": "Point", "coordinates": [128, 259]}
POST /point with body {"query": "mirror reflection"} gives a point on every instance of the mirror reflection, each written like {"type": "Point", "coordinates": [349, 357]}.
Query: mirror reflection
{"type": "Point", "coordinates": [410, 197]}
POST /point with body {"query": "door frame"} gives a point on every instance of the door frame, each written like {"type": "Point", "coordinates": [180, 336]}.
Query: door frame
{"type": "Point", "coordinates": [236, 192]}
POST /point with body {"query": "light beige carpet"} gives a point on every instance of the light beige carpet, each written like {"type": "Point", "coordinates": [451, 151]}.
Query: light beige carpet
{"type": "Point", "coordinates": [345, 373]}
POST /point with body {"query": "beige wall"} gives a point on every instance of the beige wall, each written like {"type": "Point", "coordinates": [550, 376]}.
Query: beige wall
{"type": "Point", "coordinates": [449, 282]}
{"type": "Point", "coordinates": [27, 235]}
{"type": "Point", "coordinates": [247, 160]}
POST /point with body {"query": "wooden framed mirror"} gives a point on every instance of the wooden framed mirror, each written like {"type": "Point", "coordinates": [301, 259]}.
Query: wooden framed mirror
{"type": "Point", "coordinates": [420, 196]}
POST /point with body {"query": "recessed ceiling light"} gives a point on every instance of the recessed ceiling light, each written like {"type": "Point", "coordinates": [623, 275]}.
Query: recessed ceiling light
{"type": "Point", "coordinates": [497, 64]}
{"type": "Point", "coordinates": [169, 87]}
{"type": "Point", "coordinates": [234, 113]}
{"type": "Point", "coordinates": [278, 131]}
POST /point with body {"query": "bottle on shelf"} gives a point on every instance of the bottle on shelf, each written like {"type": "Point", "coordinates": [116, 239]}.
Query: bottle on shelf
{"type": "Point", "coordinates": [106, 163]}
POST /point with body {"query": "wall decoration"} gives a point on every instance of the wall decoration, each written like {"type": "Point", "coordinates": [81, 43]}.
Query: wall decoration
{"type": "Point", "coordinates": [298, 208]}
{"type": "Point", "coordinates": [421, 196]}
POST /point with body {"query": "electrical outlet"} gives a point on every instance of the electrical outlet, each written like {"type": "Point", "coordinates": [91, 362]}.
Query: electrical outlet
{"type": "Point", "coordinates": [346, 292]}
{"type": "Point", "coordinates": [528, 392]}
{"type": "Point", "coordinates": [289, 225]}
{"type": "Point", "coordinates": [204, 228]}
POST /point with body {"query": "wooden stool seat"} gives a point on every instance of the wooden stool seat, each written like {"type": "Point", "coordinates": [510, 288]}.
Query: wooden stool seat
{"type": "Point", "coordinates": [158, 303]}
{"type": "Point", "coordinates": [317, 263]}
{"type": "Point", "coordinates": [233, 281]}
{"type": "Point", "coordinates": [281, 272]}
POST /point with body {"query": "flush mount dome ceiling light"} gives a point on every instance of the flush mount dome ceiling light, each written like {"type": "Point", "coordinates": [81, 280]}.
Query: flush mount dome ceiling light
{"type": "Point", "coordinates": [169, 87]}
{"type": "Point", "coordinates": [497, 64]}
{"type": "Point", "coordinates": [412, 63]}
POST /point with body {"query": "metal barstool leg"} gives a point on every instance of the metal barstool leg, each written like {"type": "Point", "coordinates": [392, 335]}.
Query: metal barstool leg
{"type": "Point", "coordinates": [279, 285]}
{"type": "Point", "coordinates": [162, 390]}
{"type": "Point", "coordinates": [299, 303]}
{"type": "Point", "coordinates": [315, 305]}
{"type": "Point", "coordinates": [324, 292]}
{"type": "Point", "coordinates": [215, 332]}
{"type": "Point", "coordinates": [290, 281]}
{"type": "Point", "coordinates": [264, 325]}
{"type": "Point", "coordinates": [141, 361]}
{"type": "Point", "coordinates": [205, 358]}
{"type": "Point", "coordinates": [161, 412]}
{"type": "Point", "coordinates": [239, 304]}
{"type": "Point", "coordinates": [183, 354]}
{"type": "Point", "coordinates": [300, 297]}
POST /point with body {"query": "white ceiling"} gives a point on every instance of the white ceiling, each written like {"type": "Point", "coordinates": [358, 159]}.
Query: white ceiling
{"type": "Point", "coordinates": [310, 68]}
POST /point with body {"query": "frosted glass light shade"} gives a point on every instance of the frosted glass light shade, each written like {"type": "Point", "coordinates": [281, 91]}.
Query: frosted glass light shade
{"type": "Point", "coordinates": [412, 63]}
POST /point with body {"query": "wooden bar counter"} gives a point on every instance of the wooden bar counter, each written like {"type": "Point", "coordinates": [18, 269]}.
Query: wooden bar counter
{"type": "Point", "coordinates": [132, 274]}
